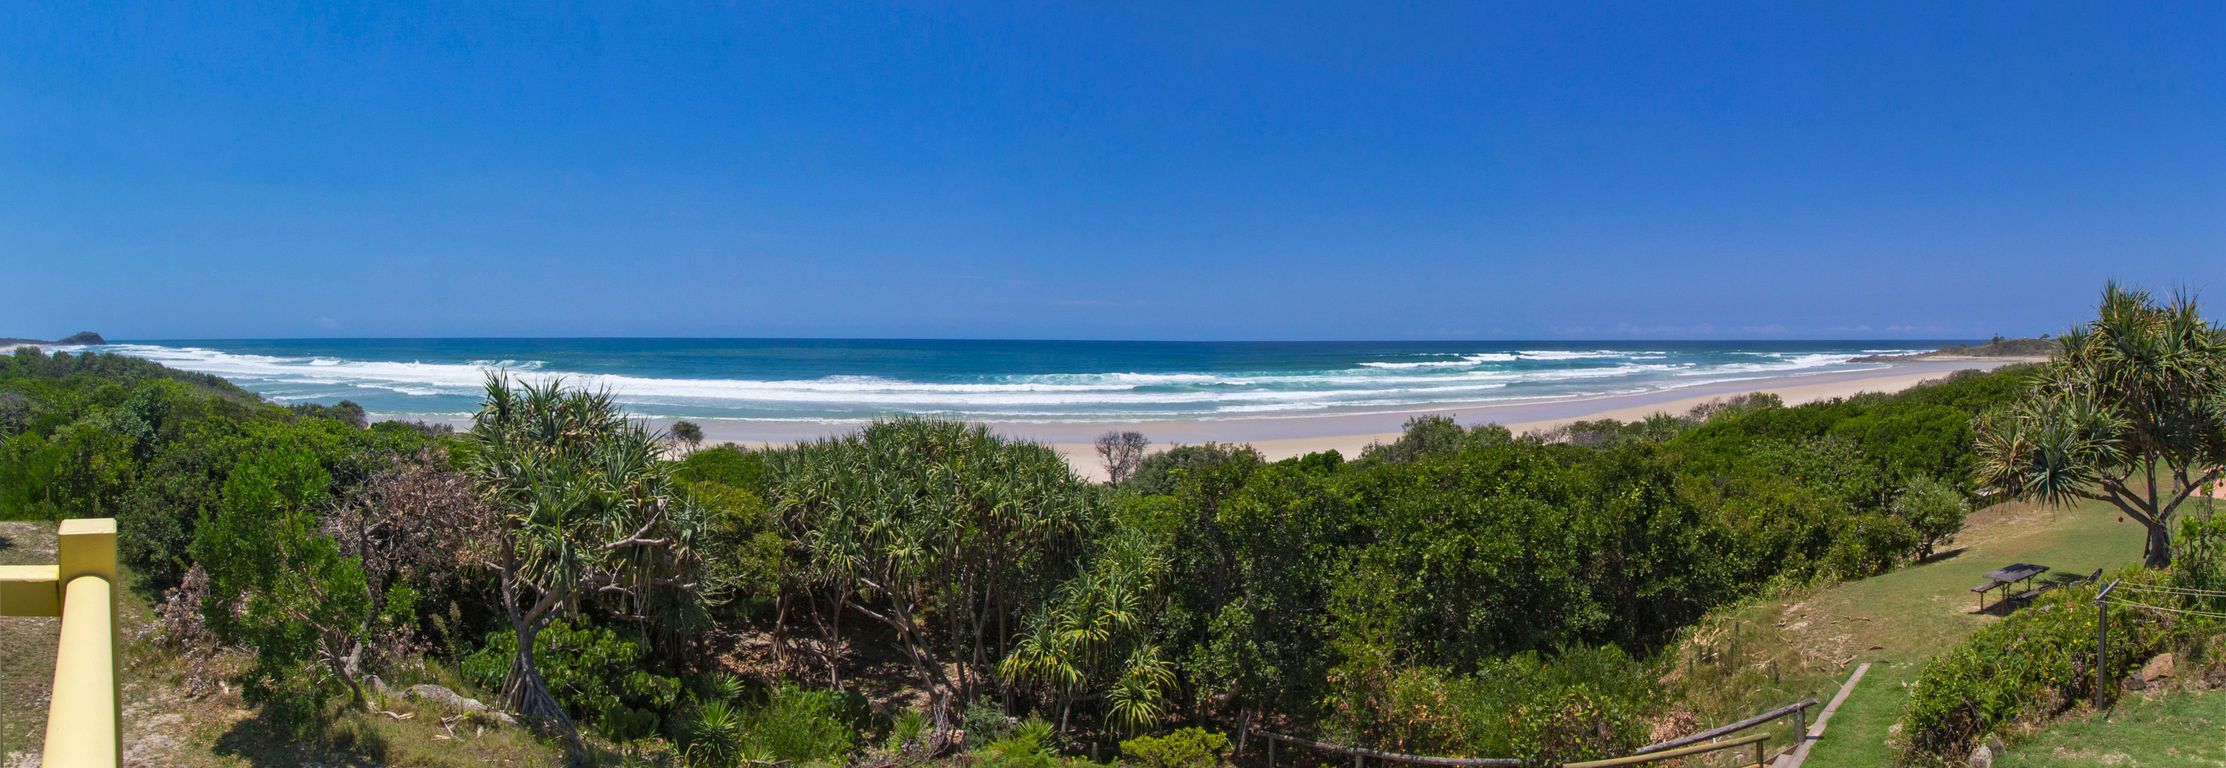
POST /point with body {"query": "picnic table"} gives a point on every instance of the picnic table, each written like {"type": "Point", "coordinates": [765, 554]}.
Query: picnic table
{"type": "Point", "coordinates": [2009, 576]}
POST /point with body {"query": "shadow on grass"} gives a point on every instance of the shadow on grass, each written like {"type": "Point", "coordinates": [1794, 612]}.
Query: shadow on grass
{"type": "Point", "coordinates": [2042, 585]}
{"type": "Point", "coordinates": [265, 743]}
{"type": "Point", "coordinates": [1943, 556]}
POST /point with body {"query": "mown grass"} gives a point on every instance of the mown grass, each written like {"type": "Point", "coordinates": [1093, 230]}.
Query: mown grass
{"type": "Point", "coordinates": [1807, 642]}
{"type": "Point", "coordinates": [2177, 729]}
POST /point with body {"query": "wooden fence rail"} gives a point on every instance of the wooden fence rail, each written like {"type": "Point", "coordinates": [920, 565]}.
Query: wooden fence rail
{"type": "Point", "coordinates": [84, 725]}
{"type": "Point", "coordinates": [1683, 746]}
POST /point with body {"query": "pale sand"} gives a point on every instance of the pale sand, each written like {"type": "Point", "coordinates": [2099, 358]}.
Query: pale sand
{"type": "Point", "coordinates": [1287, 436]}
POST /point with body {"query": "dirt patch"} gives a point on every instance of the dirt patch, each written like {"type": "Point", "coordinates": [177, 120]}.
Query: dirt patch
{"type": "Point", "coordinates": [27, 661]}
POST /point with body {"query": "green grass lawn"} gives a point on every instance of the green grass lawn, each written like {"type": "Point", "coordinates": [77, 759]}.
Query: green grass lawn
{"type": "Point", "coordinates": [2178, 729]}
{"type": "Point", "coordinates": [1899, 620]}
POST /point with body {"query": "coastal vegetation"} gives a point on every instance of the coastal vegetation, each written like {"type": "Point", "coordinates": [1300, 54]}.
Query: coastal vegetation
{"type": "Point", "coordinates": [80, 338]}
{"type": "Point", "coordinates": [2132, 411]}
{"type": "Point", "coordinates": [1463, 590]}
{"type": "Point", "coordinates": [2000, 347]}
{"type": "Point", "coordinates": [923, 589]}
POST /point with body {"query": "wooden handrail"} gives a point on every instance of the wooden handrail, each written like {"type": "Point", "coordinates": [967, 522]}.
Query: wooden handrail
{"type": "Point", "coordinates": [84, 722]}
{"type": "Point", "coordinates": [1678, 747]}
{"type": "Point", "coordinates": [1456, 762]}
{"type": "Point", "coordinates": [1789, 709]}
{"type": "Point", "coordinates": [1672, 754]}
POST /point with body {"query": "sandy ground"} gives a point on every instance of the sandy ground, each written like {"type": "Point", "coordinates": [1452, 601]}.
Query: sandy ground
{"type": "Point", "coordinates": [1348, 433]}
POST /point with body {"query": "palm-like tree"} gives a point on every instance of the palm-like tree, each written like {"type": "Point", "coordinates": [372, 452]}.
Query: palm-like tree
{"type": "Point", "coordinates": [939, 530]}
{"type": "Point", "coordinates": [2132, 411]}
{"type": "Point", "coordinates": [1094, 639]}
{"type": "Point", "coordinates": [581, 509]}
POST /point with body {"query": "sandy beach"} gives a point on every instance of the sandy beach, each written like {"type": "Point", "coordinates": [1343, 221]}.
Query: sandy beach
{"type": "Point", "coordinates": [1349, 433]}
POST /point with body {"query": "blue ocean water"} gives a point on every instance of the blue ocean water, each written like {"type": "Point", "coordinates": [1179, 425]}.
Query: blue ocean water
{"type": "Point", "coordinates": [1048, 381]}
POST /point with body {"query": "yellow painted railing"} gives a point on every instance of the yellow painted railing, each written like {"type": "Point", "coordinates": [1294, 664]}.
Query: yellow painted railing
{"type": "Point", "coordinates": [84, 724]}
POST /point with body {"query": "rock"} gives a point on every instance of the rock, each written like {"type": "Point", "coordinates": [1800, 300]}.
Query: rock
{"type": "Point", "coordinates": [1994, 745]}
{"type": "Point", "coordinates": [1982, 757]}
{"type": "Point", "coordinates": [2157, 668]}
{"type": "Point", "coordinates": [456, 701]}
{"type": "Point", "coordinates": [81, 338]}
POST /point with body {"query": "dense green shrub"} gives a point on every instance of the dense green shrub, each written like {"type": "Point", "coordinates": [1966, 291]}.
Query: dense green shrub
{"type": "Point", "coordinates": [801, 726]}
{"type": "Point", "coordinates": [744, 551]}
{"type": "Point", "coordinates": [725, 725]}
{"type": "Point", "coordinates": [1031, 744]}
{"type": "Point", "coordinates": [726, 465]}
{"type": "Point", "coordinates": [598, 676]}
{"type": "Point", "coordinates": [714, 735]}
{"type": "Point", "coordinates": [2199, 553]}
{"type": "Point", "coordinates": [1933, 509]}
{"type": "Point", "coordinates": [925, 523]}
{"type": "Point", "coordinates": [2036, 663]}
{"type": "Point", "coordinates": [1184, 748]}
{"type": "Point", "coordinates": [1581, 703]}
{"type": "Point", "coordinates": [984, 720]}
{"type": "Point", "coordinates": [1218, 467]}
{"type": "Point", "coordinates": [282, 588]}
{"type": "Point", "coordinates": [1433, 436]}
{"type": "Point", "coordinates": [1871, 544]}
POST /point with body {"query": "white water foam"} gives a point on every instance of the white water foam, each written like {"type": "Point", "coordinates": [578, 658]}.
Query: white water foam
{"type": "Point", "coordinates": [1376, 384]}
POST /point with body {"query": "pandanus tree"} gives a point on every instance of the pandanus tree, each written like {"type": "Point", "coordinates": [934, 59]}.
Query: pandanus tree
{"type": "Point", "coordinates": [1093, 639]}
{"type": "Point", "coordinates": [582, 513]}
{"type": "Point", "coordinates": [2131, 411]}
{"type": "Point", "coordinates": [937, 530]}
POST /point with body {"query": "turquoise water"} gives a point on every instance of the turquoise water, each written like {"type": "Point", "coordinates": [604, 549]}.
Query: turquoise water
{"type": "Point", "coordinates": [1052, 381]}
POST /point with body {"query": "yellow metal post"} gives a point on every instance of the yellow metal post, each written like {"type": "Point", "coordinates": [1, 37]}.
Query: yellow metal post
{"type": "Point", "coordinates": [30, 590]}
{"type": "Point", "coordinates": [84, 722]}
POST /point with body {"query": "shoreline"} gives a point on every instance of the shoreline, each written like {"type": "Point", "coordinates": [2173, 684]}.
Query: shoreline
{"type": "Point", "coordinates": [1281, 437]}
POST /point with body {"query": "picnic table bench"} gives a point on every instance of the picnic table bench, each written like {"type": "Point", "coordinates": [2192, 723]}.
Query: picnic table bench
{"type": "Point", "coordinates": [2010, 576]}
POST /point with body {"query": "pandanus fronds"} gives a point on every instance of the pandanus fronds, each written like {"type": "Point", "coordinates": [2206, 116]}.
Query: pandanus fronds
{"type": "Point", "coordinates": [2131, 410]}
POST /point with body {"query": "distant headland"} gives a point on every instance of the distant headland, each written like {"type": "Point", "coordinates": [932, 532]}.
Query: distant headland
{"type": "Point", "coordinates": [78, 339]}
{"type": "Point", "coordinates": [2037, 348]}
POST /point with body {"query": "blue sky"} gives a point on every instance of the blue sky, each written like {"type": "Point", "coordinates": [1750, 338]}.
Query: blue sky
{"type": "Point", "coordinates": [1051, 170]}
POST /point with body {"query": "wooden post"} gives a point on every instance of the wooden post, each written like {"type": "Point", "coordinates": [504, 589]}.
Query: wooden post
{"type": "Point", "coordinates": [1271, 753]}
{"type": "Point", "coordinates": [2102, 642]}
{"type": "Point", "coordinates": [1244, 729]}
{"type": "Point", "coordinates": [84, 724]}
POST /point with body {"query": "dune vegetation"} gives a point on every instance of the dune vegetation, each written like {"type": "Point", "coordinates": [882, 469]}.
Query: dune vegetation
{"type": "Point", "coordinates": [556, 582]}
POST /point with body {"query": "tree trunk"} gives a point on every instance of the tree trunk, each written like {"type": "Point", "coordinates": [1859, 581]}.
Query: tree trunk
{"type": "Point", "coordinates": [2160, 545]}
{"type": "Point", "coordinates": [525, 692]}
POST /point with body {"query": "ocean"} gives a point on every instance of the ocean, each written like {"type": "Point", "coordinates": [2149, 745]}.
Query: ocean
{"type": "Point", "coordinates": [841, 380]}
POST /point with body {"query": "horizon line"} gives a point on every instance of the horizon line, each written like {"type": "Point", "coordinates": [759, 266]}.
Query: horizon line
{"type": "Point", "coordinates": [1500, 340]}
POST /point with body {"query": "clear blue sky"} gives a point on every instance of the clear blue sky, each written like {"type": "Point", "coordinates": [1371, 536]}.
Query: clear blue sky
{"type": "Point", "coordinates": [1056, 170]}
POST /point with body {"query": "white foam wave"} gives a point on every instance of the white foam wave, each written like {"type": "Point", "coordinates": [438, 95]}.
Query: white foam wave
{"type": "Point", "coordinates": [1465, 361]}
{"type": "Point", "coordinates": [1563, 354]}
{"type": "Point", "coordinates": [1781, 363]}
{"type": "Point", "coordinates": [1376, 384]}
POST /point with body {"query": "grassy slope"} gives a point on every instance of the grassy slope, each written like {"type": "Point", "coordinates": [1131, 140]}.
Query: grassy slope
{"type": "Point", "coordinates": [2179, 729]}
{"type": "Point", "coordinates": [1899, 620]}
